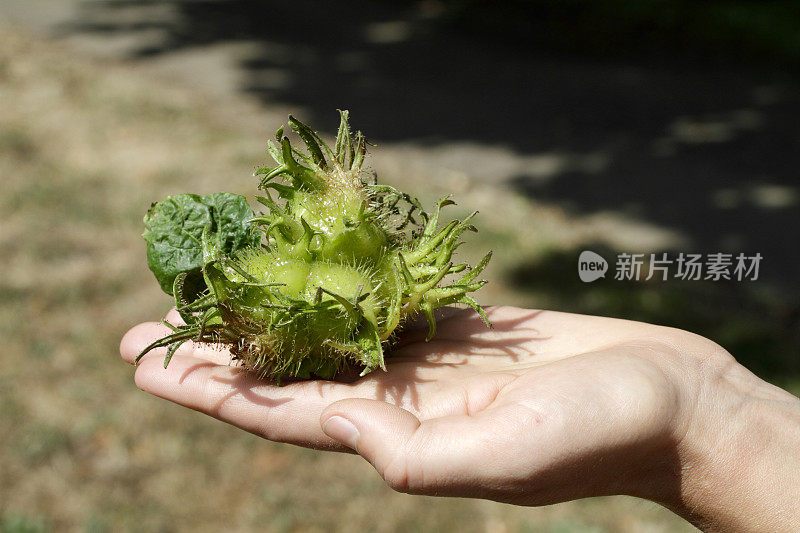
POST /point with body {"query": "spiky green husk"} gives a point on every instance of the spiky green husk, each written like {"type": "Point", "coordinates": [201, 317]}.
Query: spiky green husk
{"type": "Point", "coordinates": [343, 264]}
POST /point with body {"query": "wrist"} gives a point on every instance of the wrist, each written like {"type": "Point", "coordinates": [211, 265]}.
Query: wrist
{"type": "Point", "coordinates": [740, 454]}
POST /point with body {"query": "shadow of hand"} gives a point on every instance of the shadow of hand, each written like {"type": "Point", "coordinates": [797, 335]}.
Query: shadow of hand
{"type": "Point", "coordinates": [545, 407]}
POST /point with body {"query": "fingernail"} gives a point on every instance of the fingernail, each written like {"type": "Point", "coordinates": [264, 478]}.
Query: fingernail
{"type": "Point", "coordinates": [342, 430]}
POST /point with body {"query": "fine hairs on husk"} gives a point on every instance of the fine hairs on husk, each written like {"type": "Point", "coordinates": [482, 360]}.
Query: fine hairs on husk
{"type": "Point", "coordinates": [323, 278]}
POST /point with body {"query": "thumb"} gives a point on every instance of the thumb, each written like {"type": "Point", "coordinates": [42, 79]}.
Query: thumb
{"type": "Point", "coordinates": [378, 431]}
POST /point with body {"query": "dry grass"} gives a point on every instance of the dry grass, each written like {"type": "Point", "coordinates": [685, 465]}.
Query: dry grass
{"type": "Point", "coordinates": [85, 147]}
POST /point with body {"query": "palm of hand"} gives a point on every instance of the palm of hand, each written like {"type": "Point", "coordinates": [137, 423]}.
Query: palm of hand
{"type": "Point", "coordinates": [545, 407]}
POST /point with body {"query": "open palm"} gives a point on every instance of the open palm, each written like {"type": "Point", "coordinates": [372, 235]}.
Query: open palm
{"type": "Point", "coordinates": [544, 407]}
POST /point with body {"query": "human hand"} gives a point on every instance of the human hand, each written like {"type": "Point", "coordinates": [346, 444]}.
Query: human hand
{"type": "Point", "coordinates": [545, 407]}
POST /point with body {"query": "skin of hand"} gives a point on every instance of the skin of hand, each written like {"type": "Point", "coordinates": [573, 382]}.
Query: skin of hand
{"type": "Point", "coordinates": [543, 408]}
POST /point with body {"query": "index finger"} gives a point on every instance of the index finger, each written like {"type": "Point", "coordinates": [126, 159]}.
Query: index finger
{"type": "Point", "coordinates": [288, 413]}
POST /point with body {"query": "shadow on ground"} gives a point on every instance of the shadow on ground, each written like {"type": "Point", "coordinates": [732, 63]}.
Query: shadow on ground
{"type": "Point", "coordinates": [711, 149]}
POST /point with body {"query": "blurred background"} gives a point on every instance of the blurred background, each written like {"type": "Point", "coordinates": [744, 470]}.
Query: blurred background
{"type": "Point", "coordinates": [615, 126]}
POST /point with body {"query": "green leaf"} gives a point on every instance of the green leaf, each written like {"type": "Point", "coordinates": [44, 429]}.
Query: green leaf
{"type": "Point", "coordinates": [174, 232]}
